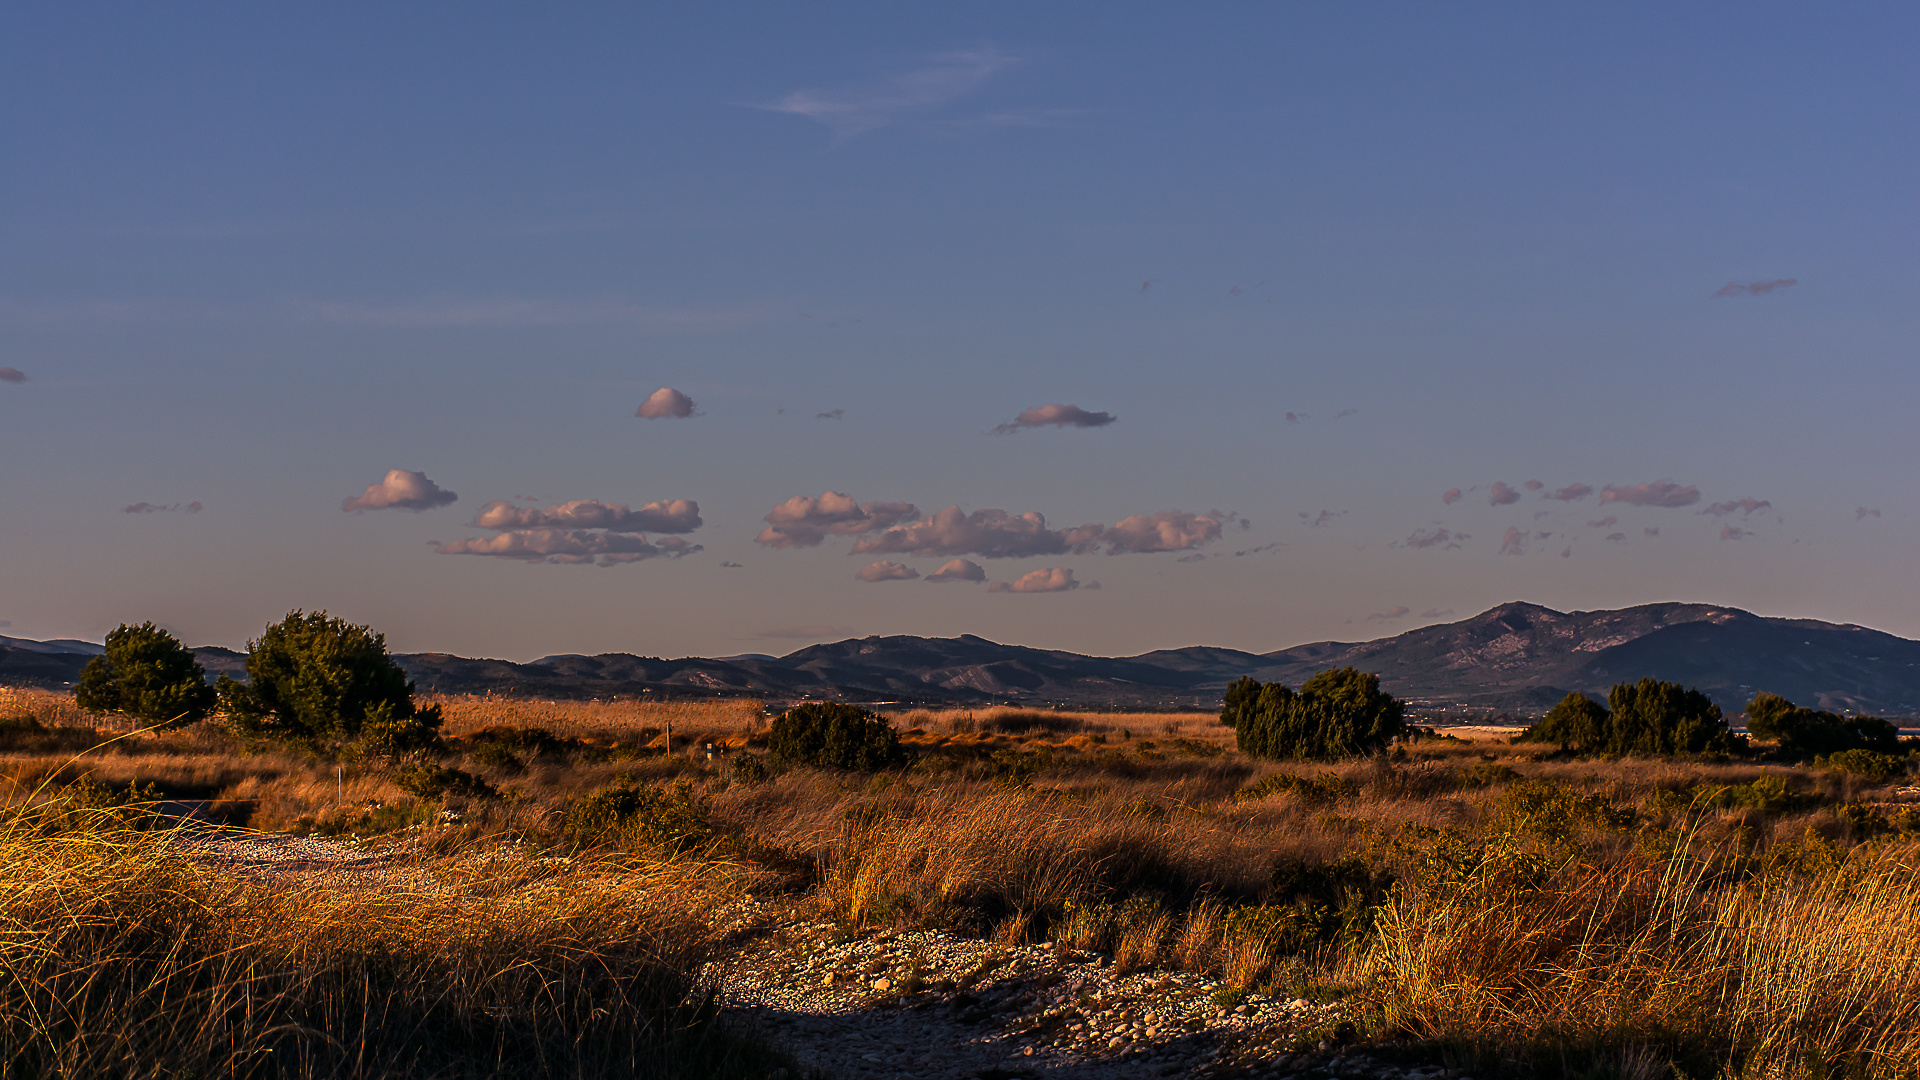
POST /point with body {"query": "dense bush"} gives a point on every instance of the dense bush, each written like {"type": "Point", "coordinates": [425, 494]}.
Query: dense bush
{"type": "Point", "coordinates": [674, 821]}
{"type": "Point", "coordinates": [834, 736]}
{"type": "Point", "coordinates": [1801, 732]}
{"type": "Point", "coordinates": [1337, 714]}
{"type": "Point", "coordinates": [322, 681]}
{"type": "Point", "coordinates": [1647, 717]}
{"type": "Point", "coordinates": [147, 674]}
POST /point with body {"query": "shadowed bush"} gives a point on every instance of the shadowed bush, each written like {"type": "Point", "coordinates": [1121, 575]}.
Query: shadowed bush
{"type": "Point", "coordinates": [1337, 714]}
{"type": "Point", "coordinates": [834, 736]}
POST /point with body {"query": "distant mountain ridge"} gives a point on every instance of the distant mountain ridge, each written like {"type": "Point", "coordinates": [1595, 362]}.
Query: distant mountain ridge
{"type": "Point", "coordinates": [1516, 657]}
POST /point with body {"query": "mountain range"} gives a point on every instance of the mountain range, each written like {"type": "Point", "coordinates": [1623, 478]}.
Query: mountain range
{"type": "Point", "coordinates": [1515, 658]}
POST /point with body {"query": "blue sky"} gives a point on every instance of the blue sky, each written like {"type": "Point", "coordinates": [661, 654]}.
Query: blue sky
{"type": "Point", "coordinates": [255, 258]}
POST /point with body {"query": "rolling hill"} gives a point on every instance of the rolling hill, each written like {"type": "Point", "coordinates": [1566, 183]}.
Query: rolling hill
{"type": "Point", "coordinates": [1517, 658]}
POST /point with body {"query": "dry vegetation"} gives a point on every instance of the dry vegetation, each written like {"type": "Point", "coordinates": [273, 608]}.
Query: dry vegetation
{"type": "Point", "coordinates": [1519, 910]}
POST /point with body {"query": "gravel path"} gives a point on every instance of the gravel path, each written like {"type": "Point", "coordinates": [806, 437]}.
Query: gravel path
{"type": "Point", "coordinates": [932, 1005]}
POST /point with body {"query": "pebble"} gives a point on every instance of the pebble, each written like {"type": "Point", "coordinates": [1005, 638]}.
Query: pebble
{"type": "Point", "coordinates": [977, 1006]}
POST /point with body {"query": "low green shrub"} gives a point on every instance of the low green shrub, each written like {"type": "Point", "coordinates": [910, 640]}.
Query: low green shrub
{"type": "Point", "coordinates": [431, 780]}
{"type": "Point", "coordinates": [674, 821]}
{"type": "Point", "coordinates": [499, 757]}
{"type": "Point", "coordinates": [831, 735]}
{"type": "Point", "coordinates": [1326, 788]}
{"type": "Point", "coordinates": [1868, 765]}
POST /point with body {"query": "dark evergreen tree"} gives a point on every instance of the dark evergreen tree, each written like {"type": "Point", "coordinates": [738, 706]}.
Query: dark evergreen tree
{"type": "Point", "coordinates": [1577, 723]}
{"type": "Point", "coordinates": [147, 674]}
{"type": "Point", "coordinates": [1337, 714]}
{"type": "Point", "coordinates": [1655, 717]}
{"type": "Point", "coordinates": [320, 681]}
{"type": "Point", "coordinates": [1801, 732]}
{"type": "Point", "coordinates": [831, 735]}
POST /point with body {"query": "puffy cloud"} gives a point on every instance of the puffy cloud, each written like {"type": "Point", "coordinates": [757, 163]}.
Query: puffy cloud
{"type": "Point", "coordinates": [1056, 415]}
{"type": "Point", "coordinates": [1657, 493]}
{"type": "Point", "coordinates": [570, 546]}
{"type": "Point", "coordinates": [1435, 537]}
{"type": "Point", "coordinates": [1733, 532]}
{"type": "Point", "coordinates": [1604, 523]}
{"type": "Point", "coordinates": [886, 571]}
{"type": "Point", "coordinates": [401, 490]}
{"type": "Point", "coordinates": [996, 534]}
{"type": "Point", "coordinates": [1533, 485]}
{"type": "Point", "coordinates": [1450, 496]}
{"type": "Point", "coordinates": [1390, 614]}
{"type": "Point", "coordinates": [1048, 579]}
{"type": "Point", "coordinates": [12, 375]}
{"type": "Point", "coordinates": [1743, 506]}
{"type": "Point", "coordinates": [1168, 530]}
{"type": "Point", "coordinates": [669, 516]}
{"type": "Point", "coordinates": [1502, 495]}
{"type": "Point", "coordinates": [665, 403]}
{"type": "Point", "coordinates": [1514, 542]}
{"type": "Point", "coordinates": [1755, 288]}
{"type": "Point", "coordinates": [154, 508]}
{"type": "Point", "coordinates": [959, 570]}
{"type": "Point", "coordinates": [581, 531]}
{"type": "Point", "coordinates": [1572, 493]}
{"type": "Point", "coordinates": [1864, 512]}
{"type": "Point", "coordinates": [804, 521]}
{"type": "Point", "coordinates": [1616, 537]}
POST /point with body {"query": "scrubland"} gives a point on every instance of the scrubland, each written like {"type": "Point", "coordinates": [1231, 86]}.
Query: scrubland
{"type": "Point", "coordinates": [1508, 908]}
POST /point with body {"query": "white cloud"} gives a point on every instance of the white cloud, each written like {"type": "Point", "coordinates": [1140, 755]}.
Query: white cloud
{"type": "Point", "coordinates": [886, 571]}
{"type": "Point", "coordinates": [1514, 542]}
{"type": "Point", "coordinates": [667, 516]}
{"type": "Point", "coordinates": [401, 490]}
{"type": "Point", "coordinates": [1434, 537]}
{"type": "Point", "coordinates": [1572, 493]}
{"type": "Point", "coordinates": [804, 521]}
{"type": "Point", "coordinates": [959, 570]}
{"type": "Point", "coordinates": [579, 546]}
{"type": "Point", "coordinates": [1055, 415]}
{"type": "Point", "coordinates": [1048, 579]}
{"type": "Point", "coordinates": [1502, 495]}
{"type": "Point", "coordinates": [938, 81]}
{"type": "Point", "coordinates": [1451, 496]}
{"type": "Point", "coordinates": [1745, 507]}
{"type": "Point", "coordinates": [665, 403]}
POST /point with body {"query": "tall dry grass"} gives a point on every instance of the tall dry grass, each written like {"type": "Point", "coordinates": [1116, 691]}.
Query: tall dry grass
{"type": "Point", "coordinates": [625, 718]}
{"type": "Point", "coordinates": [1782, 975]}
{"type": "Point", "coordinates": [126, 957]}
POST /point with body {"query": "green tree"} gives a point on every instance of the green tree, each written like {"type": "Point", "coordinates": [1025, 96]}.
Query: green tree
{"type": "Point", "coordinates": [147, 674]}
{"type": "Point", "coordinates": [1577, 723]}
{"type": "Point", "coordinates": [1802, 732]}
{"type": "Point", "coordinates": [831, 735]}
{"type": "Point", "coordinates": [321, 681]}
{"type": "Point", "coordinates": [1338, 714]}
{"type": "Point", "coordinates": [1655, 717]}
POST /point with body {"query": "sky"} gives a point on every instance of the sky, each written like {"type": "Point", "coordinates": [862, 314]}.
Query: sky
{"type": "Point", "coordinates": [678, 330]}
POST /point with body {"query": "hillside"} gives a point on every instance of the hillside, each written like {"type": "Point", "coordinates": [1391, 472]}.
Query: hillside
{"type": "Point", "coordinates": [1517, 657]}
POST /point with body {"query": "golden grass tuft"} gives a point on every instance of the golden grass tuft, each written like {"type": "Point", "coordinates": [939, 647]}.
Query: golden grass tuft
{"type": "Point", "coordinates": [126, 957]}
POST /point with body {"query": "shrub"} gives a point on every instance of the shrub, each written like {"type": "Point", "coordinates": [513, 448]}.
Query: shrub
{"type": "Point", "coordinates": [430, 780]}
{"type": "Point", "coordinates": [318, 681]}
{"type": "Point", "coordinates": [673, 821]}
{"type": "Point", "coordinates": [1801, 732]}
{"type": "Point", "coordinates": [1876, 768]}
{"type": "Point", "coordinates": [834, 736]}
{"type": "Point", "coordinates": [1325, 788]}
{"type": "Point", "coordinates": [496, 756]}
{"type": "Point", "coordinates": [1337, 714]}
{"type": "Point", "coordinates": [749, 769]}
{"type": "Point", "coordinates": [147, 674]}
{"type": "Point", "coordinates": [1577, 723]}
